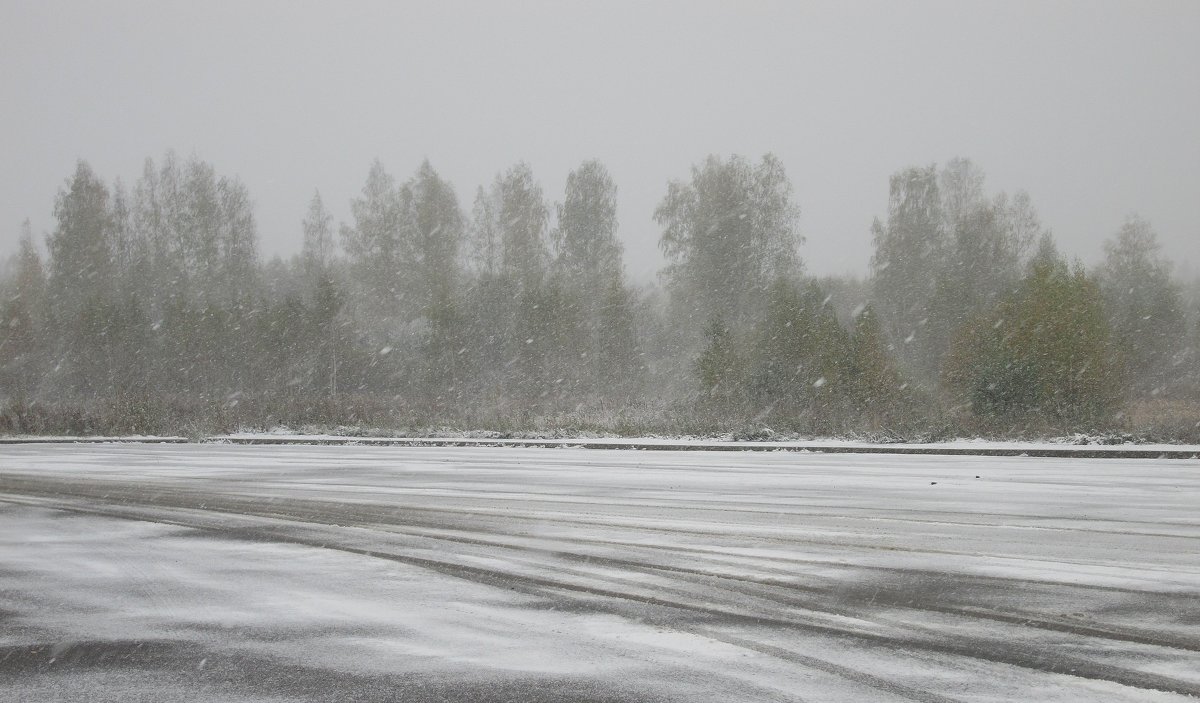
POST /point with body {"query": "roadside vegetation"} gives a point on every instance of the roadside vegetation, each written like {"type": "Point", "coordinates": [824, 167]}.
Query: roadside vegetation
{"type": "Point", "coordinates": [149, 310]}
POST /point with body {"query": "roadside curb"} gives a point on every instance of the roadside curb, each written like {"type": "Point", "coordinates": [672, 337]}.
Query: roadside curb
{"type": "Point", "coordinates": [94, 440]}
{"type": "Point", "coordinates": [1068, 451]}
{"type": "Point", "coordinates": [815, 447]}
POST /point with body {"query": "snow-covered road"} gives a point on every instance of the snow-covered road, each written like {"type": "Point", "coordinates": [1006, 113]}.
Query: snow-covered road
{"type": "Point", "coordinates": [355, 573]}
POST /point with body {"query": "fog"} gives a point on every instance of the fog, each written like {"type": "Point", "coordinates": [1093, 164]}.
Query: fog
{"type": "Point", "coordinates": [1089, 106]}
{"type": "Point", "coordinates": [894, 222]}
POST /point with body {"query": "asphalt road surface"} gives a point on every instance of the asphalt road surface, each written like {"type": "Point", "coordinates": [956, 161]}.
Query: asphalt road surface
{"type": "Point", "coordinates": [266, 573]}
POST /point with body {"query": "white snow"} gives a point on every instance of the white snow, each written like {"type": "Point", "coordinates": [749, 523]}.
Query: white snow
{"type": "Point", "coordinates": [568, 573]}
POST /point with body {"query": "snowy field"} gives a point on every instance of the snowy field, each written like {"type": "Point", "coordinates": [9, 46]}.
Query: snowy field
{"type": "Point", "coordinates": [365, 573]}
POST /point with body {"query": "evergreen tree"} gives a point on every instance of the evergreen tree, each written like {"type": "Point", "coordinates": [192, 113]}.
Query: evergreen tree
{"type": "Point", "coordinates": [798, 359]}
{"type": "Point", "coordinates": [81, 247]}
{"type": "Point", "coordinates": [81, 282]}
{"type": "Point", "coordinates": [721, 371]}
{"type": "Point", "coordinates": [874, 385]}
{"type": "Point", "coordinates": [1046, 350]}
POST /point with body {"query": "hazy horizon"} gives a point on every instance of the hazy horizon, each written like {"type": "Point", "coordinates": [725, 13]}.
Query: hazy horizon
{"type": "Point", "coordinates": [1088, 106]}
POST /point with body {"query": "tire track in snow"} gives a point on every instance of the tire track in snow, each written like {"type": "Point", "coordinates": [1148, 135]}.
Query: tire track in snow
{"type": "Point", "coordinates": [320, 511]}
{"type": "Point", "coordinates": [204, 516]}
{"type": "Point", "coordinates": [317, 510]}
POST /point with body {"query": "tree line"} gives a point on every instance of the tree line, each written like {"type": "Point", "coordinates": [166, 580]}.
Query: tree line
{"type": "Point", "coordinates": [152, 310]}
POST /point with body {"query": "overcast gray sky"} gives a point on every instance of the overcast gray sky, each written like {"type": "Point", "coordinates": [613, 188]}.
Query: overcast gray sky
{"type": "Point", "coordinates": [1093, 107]}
